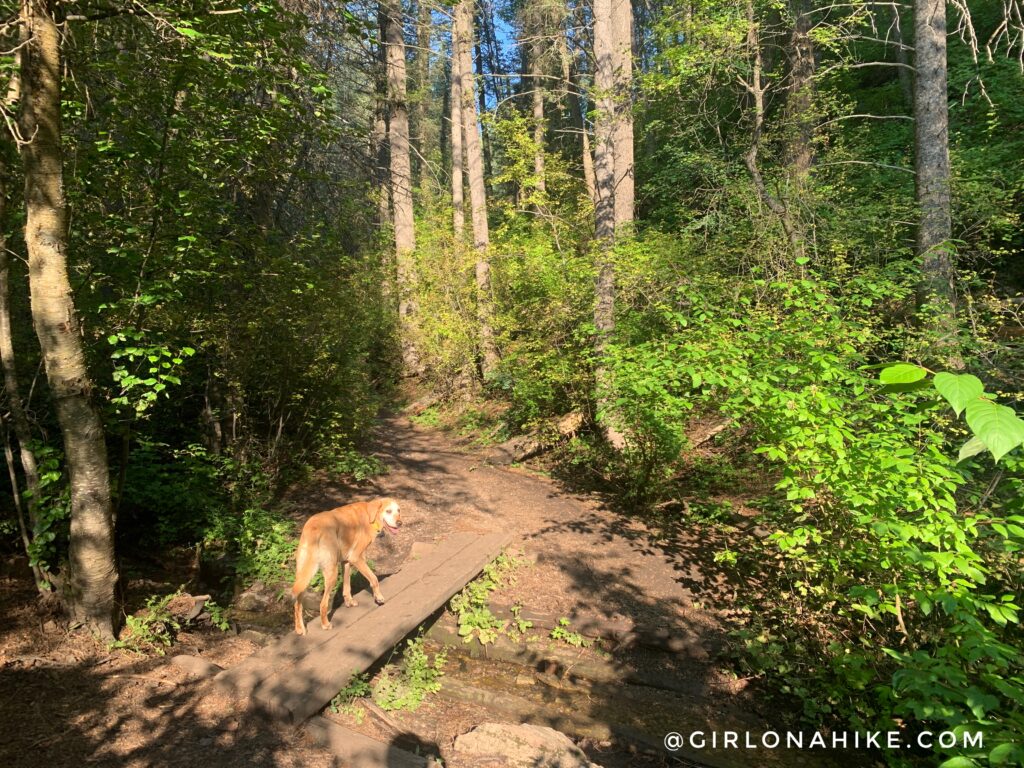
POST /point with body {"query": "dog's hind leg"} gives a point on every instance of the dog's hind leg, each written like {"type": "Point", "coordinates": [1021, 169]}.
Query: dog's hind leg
{"type": "Point", "coordinates": [305, 570]}
{"type": "Point", "coordinates": [346, 586]}
{"type": "Point", "coordinates": [330, 570]}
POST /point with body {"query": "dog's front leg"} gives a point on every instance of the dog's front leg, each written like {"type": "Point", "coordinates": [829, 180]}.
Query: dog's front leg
{"type": "Point", "coordinates": [346, 586]}
{"type": "Point", "coordinates": [364, 569]}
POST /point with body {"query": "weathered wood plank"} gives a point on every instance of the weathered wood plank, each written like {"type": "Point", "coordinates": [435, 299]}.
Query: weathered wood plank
{"type": "Point", "coordinates": [243, 678]}
{"type": "Point", "coordinates": [354, 750]}
{"type": "Point", "coordinates": [301, 689]}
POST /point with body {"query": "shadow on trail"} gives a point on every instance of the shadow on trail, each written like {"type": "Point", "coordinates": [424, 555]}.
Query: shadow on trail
{"type": "Point", "coordinates": [65, 716]}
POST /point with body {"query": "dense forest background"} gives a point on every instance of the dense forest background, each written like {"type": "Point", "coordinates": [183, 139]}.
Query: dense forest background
{"type": "Point", "coordinates": [233, 232]}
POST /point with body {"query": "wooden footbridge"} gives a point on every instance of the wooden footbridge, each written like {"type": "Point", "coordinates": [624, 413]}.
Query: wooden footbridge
{"type": "Point", "coordinates": [295, 677]}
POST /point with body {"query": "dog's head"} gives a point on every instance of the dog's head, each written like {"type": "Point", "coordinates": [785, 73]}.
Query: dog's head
{"type": "Point", "coordinates": [388, 515]}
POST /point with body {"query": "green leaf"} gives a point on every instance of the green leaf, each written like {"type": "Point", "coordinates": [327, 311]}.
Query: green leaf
{"type": "Point", "coordinates": [997, 426]}
{"type": "Point", "coordinates": [188, 32]}
{"type": "Point", "coordinates": [959, 389]}
{"type": "Point", "coordinates": [972, 447]}
{"type": "Point", "coordinates": [902, 373]}
{"type": "Point", "coordinates": [959, 762]}
{"type": "Point", "coordinates": [1003, 753]}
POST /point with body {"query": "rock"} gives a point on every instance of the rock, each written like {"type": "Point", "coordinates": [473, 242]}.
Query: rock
{"type": "Point", "coordinates": [258, 638]}
{"type": "Point", "coordinates": [258, 597]}
{"type": "Point", "coordinates": [50, 627]}
{"type": "Point", "coordinates": [196, 666]}
{"type": "Point", "coordinates": [503, 745]}
{"type": "Point", "coordinates": [198, 604]}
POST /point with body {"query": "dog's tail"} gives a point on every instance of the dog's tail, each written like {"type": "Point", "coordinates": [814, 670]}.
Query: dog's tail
{"type": "Point", "coordinates": [306, 566]}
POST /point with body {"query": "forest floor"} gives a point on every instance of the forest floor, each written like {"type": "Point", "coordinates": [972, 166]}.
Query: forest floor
{"type": "Point", "coordinates": [67, 700]}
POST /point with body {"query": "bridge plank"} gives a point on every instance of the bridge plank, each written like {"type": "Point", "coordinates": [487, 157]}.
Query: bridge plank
{"type": "Point", "coordinates": [243, 678]}
{"type": "Point", "coordinates": [354, 750]}
{"type": "Point", "coordinates": [295, 677]}
{"type": "Point", "coordinates": [302, 689]}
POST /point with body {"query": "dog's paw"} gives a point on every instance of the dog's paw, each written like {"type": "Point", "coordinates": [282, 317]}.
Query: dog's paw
{"type": "Point", "coordinates": [326, 625]}
{"type": "Point", "coordinates": [350, 602]}
{"type": "Point", "coordinates": [378, 599]}
{"type": "Point", "coordinates": [300, 630]}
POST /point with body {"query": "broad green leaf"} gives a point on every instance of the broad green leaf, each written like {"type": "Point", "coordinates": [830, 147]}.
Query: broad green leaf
{"type": "Point", "coordinates": [997, 426]}
{"type": "Point", "coordinates": [972, 447]}
{"type": "Point", "coordinates": [959, 762]}
{"type": "Point", "coordinates": [959, 389]}
{"type": "Point", "coordinates": [902, 373]}
{"type": "Point", "coordinates": [1003, 753]}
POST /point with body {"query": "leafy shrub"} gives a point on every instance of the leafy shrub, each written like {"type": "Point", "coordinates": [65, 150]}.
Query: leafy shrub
{"type": "Point", "coordinates": [471, 605]}
{"type": "Point", "coordinates": [405, 686]}
{"type": "Point", "coordinates": [151, 629]}
{"type": "Point", "coordinates": [563, 631]}
{"type": "Point", "coordinates": [885, 538]}
{"type": "Point", "coordinates": [357, 687]}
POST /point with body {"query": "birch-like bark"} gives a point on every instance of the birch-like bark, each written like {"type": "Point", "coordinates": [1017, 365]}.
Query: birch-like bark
{"type": "Point", "coordinates": [537, 72]}
{"type": "Point", "coordinates": [401, 180]}
{"type": "Point", "coordinates": [463, 33]}
{"type": "Point", "coordinates": [91, 547]}
{"type": "Point", "coordinates": [622, 135]}
{"type": "Point", "coordinates": [19, 417]}
{"type": "Point", "coordinates": [458, 203]}
{"type": "Point", "coordinates": [604, 214]}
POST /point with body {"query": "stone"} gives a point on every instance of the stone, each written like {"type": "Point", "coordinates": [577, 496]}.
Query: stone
{"type": "Point", "coordinates": [256, 598]}
{"type": "Point", "coordinates": [504, 745]}
{"type": "Point", "coordinates": [196, 666]}
{"type": "Point", "coordinates": [255, 637]}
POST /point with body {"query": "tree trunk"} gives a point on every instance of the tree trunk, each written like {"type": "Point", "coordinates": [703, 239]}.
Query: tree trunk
{"type": "Point", "coordinates": [604, 215]}
{"type": "Point", "coordinates": [91, 549]}
{"type": "Point", "coordinates": [485, 144]}
{"type": "Point", "coordinates": [423, 37]}
{"type": "Point", "coordinates": [800, 101]}
{"type": "Point", "coordinates": [401, 180]}
{"type": "Point", "coordinates": [904, 71]}
{"type": "Point", "coordinates": [931, 140]}
{"type": "Point", "coordinates": [19, 418]}
{"type": "Point", "coordinates": [463, 32]}
{"type": "Point", "coordinates": [379, 133]}
{"type": "Point", "coordinates": [622, 133]}
{"type": "Point", "coordinates": [589, 176]}
{"type": "Point", "coordinates": [458, 204]}
{"type": "Point", "coordinates": [537, 72]}
{"type": "Point", "coordinates": [757, 88]}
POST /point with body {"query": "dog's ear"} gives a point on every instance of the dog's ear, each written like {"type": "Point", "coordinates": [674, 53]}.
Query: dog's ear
{"type": "Point", "coordinates": [374, 510]}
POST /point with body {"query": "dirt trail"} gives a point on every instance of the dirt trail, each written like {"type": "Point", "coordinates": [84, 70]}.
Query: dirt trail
{"type": "Point", "coordinates": [587, 558]}
{"type": "Point", "coordinates": [67, 699]}
{"type": "Point", "coordinates": [588, 561]}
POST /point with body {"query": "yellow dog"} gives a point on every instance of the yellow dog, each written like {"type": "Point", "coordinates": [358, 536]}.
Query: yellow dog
{"type": "Point", "coordinates": [340, 534]}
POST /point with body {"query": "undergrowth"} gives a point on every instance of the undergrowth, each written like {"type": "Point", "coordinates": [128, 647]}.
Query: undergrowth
{"type": "Point", "coordinates": [472, 605]}
{"type": "Point", "coordinates": [405, 685]}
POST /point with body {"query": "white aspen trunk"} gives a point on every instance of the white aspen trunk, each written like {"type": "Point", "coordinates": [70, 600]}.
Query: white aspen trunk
{"type": "Point", "coordinates": [91, 548]}
{"type": "Point", "coordinates": [622, 136]}
{"type": "Point", "coordinates": [604, 214]}
{"type": "Point", "coordinates": [477, 190]}
{"type": "Point", "coordinates": [458, 204]}
{"type": "Point", "coordinates": [401, 180]}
